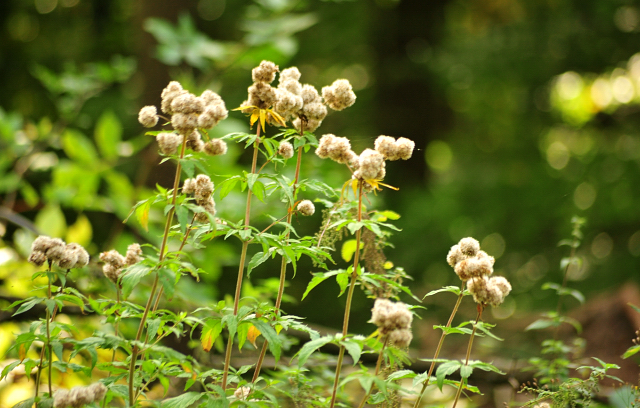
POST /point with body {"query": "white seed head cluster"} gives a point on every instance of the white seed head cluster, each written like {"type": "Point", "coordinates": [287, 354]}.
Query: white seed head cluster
{"type": "Point", "coordinates": [148, 116]}
{"type": "Point", "coordinates": [542, 405]}
{"type": "Point", "coordinates": [265, 72]}
{"type": "Point", "coordinates": [55, 251]}
{"type": "Point", "coordinates": [339, 95]}
{"type": "Point", "coordinates": [394, 319]}
{"type": "Point", "coordinates": [476, 267]}
{"type": "Point", "coordinates": [393, 149]}
{"type": "Point", "coordinates": [194, 141]}
{"type": "Point", "coordinates": [189, 111]}
{"type": "Point", "coordinates": [114, 261]}
{"type": "Point", "coordinates": [306, 208]}
{"type": "Point", "coordinates": [168, 142]}
{"type": "Point", "coordinates": [370, 165]}
{"type": "Point", "coordinates": [215, 147]}
{"type": "Point", "coordinates": [202, 189]}
{"type": "Point", "coordinates": [337, 149]}
{"type": "Point", "coordinates": [285, 150]}
{"type": "Point", "coordinates": [242, 393]}
{"type": "Point", "coordinates": [79, 396]}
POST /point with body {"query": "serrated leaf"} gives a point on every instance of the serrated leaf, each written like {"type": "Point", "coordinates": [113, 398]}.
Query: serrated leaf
{"type": "Point", "coordinates": [465, 371]}
{"type": "Point", "coordinates": [258, 190]}
{"type": "Point", "coordinates": [210, 333]}
{"type": "Point", "coordinates": [270, 335]}
{"type": "Point", "coordinates": [132, 276]}
{"type": "Point", "coordinates": [310, 347]}
{"type": "Point", "coordinates": [444, 370]}
{"type": "Point", "coordinates": [343, 281]}
{"type": "Point", "coordinates": [182, 401]}
{"type": "Point", "coordinates": [28, 305]}
{"type": "Point", "coordinates": [318, 278]}
{"type": "Point", "coordinates": [354, 348]}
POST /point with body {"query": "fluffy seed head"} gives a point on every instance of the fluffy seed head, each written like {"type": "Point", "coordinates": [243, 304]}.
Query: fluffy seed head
{"type": "Point", "coordinates": [306, 208]}
{"type": "Point", "coordinates": [114, 258]}
{"type": "Point", "coordinates": [148, 116]}
{"type": "Point", "coordinates": [265, 72]}
{"type": "Point", "coordinates": [242, 393]}
{"type": "Point", "coordinates": [370, 165]}
{"type": "Point", "coordinates": [83, 255]}
{"type": "Point", "coordinates": [37, 258]}
{"type": "Point", "coordinates": [291, 73]}
{"type": "Point", "coordinates": [56, 250]}
{"type": "Point", "coordinates": [42, 243]}
{"type": "Point", "coordinates": [68, 259]}
{"type": "Point", "coordinates": [469, 246]}
{"type": "Point", "coordinates": [134, 254]}
{"type": "Point", "coordinates": [209, 207]}
{"type": "Point", "coordinates": [168, 142]}
{"type": "Point", "coordinates": [184, 123]}
{"type": "Point", "coordinates": [291, 86]}
{"type": "Point", "coordinates": [390, 316]}
{"type": "Point", "coordinates": [203, 189]}
{"type": "Point", "coordinates": [285, 150]}
{"type": "Point", "coordinates": [339, 95]}
{"type": "Point", "coordinates": [310, 125]}
{"type": "Point", "coordinates": [401, 338]}
{"type": "Point", "coordinates": [215, 147]}
{"type": "Point", "coordinates": [386, 146]}
{"type": "Point", "coordinates": [309, 94]}
{"type": "Point", "coordinates": [405, 148]}
{"type": "Point", "coordinates": [189, 186]}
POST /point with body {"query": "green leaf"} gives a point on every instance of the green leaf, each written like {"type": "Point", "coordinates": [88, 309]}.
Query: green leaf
{"type": "Point", "coordinates": [231, 323]}
{"type": "Point", "coordinates": [257, 259]}
{"type": "Point", "coordinates": [310, 347]}
{"type": "Point", "coordinates": [631, 351]}
{"type": "Point", "coordinates": [318, 278]}
{"type": "Point", "coordinates": [79, 148]}
{"type": "Point", "coordinates": [268, 332]}
{"type": "Point", "coordinates": [182, 401]}
{"type": "Point", "coordinates": [226, 186]}
{"type": "Point", "coordinates": [343, 280]}
{"type": "Point", "coordinates": [465, 371]}
{"type": "Point", "coordinates": [398, 375]}
{"type": "Point", "coordinates": [258, 190]}
{"type": "Point", "coordinates": [354, 348]}
{"type": "Point", "coordinates": [50, 221]}
{"type": "Point", "coordinates": [560, 290]}
{"type": "Point", "coordinates": [142, 214]}
{"type": "Point", "coordinates": [452, 289]}
{"type": "Point", "coordinates": [444, 370]}
{"type": "Point", "coordinates": [108, 135]}
{"type": "Point", "coordinates": [131, 276]}
{"type": "Point", "coordinates": [541, 324]}
{"type": "Point", "coordinates": [210, 333]}
{"type": "Point", "coordinates": [27, 305]}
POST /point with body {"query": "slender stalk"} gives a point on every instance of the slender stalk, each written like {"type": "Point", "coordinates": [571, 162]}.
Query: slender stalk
{"type": "Point", "coordinates": [347, 309]}
{"type": "Point", "coordinates": [113, 356]}
{"type": "Point", "coordinates": [163, 247]}
{"type": "Point", "coordinates": [378, 365]}
{"type": "Point", "coordinates": [473, 333]}
{"type": "Point", "coordinates": [243, 258]}
{"type": "Point", "coordinates": [439, 347]}
{"type": "Point", "coordinates": [47, 345]}
{"type": "Point", "coordinates": [283, 266]}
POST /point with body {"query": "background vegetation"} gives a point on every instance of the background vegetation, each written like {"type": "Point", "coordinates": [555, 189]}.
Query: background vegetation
{"type": "Point", "coordinates": [524, 114]}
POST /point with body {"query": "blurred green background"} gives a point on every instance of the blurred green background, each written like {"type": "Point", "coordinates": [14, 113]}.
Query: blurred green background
{"type": "Point", "coordinates": [524, 114]}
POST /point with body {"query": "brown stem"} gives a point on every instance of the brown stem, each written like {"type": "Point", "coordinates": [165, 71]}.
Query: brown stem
{"type": "Point", "coordinates": [437, 353]}
{"type": "Point", "coordinates": [163, 247]}
{"type": "Point", "coordinates": [466, 363]}
{"type": "Point", "coordinates": [46, 346]}
{"type": "Point", "coordinates": [283, 265]}
{"type": "Point", "coordinates": [347, 310]}
{"type": "Point", "coordinates": [378, 365]}
{"type": "Point", "coordinates": [243, 258]}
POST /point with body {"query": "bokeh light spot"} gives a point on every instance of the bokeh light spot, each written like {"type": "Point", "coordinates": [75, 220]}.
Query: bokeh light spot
{"type": "Point", "coordinates": [570, 85]}
{"type": "Point", "coordinates": [634, 244]}
{"type": "Point", "coordinates": [439, 156]}
{"type": "Point", "coordinates": [623, 89]}
{"type": "Point", "coordinates": [558, 155]}
{"type": "Point", "coordinates": [493, 244]}
{"type": "Point", "coordinates": [602, 245]}
{"type": "Point", "coordinates": [211, 9]}
{"type": "Point", "coordinates": [45, 6]}
{"type": "Point", "coordinates": [601, 94]}
{"type": "Point", "coordinates": [584, 196]}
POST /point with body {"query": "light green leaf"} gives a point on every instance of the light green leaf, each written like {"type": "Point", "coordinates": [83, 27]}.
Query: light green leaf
{"type": "Point", "coordinates": [182, 401]}
{"type": "Point", "coordinates": [79, 148]}
{"type": "Point", "coordinates": [131, 276]}
{"type": "Point", "coordinates": [108, 135]}
{"type": "Point", "coordinates": [310, 347]}
{"type": "Point", "coordinates": [318, 278]}
{"type": "Point", "coordinates": [349, 249]}
{"type": "Point", "coordinates": [50, 221]}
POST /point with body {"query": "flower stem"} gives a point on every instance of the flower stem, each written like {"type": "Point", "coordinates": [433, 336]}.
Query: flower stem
{"type": "Point", "coordinates": [347, 310]}
{"type": "Point", "coordinates": [46, 346]}
{"type": "Point", "coordinates": [243, 258]}
{"type": "Point", "coordinates": [283, 265]}
{"type": "Point", "coordinates": [154, 287]}
{"type": "Point", "coordinates": [473, 333]}
{"type": "Point", "coordinates": [378, 365]}
{"type": "Point", "coordinates": [437, 353]}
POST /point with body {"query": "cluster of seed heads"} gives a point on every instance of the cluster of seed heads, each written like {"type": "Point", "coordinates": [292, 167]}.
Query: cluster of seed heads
{"type": "Point", "coordinates": [306, 208]}
{"type": "Point", "coordinates": [393, 319]}
{"type": "Point", "coordinates": [114, 262]}
{"type": "Point", "coordinates": [55, 251]}
{"type": "Point", "coordinates": [188, 114]}
{"type": "Point", "coordinates": [79, 396]}
{"type": "Point", "coordinates": [474, 267]}
{"type": "Point", "coordinates": [202, 189]}
{"type": "Point", "coordinates": [370, 164]}
{"type": "Point", "coordinates": [299, 103]}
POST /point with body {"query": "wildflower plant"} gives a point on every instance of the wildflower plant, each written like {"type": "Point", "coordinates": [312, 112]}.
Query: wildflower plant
{"type": "Point", "coordinates": [134, 332]}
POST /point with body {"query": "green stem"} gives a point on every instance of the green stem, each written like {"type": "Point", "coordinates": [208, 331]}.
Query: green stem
{"type": "Point", "coordinates": [243, 258]}
{"type": "Point", "coordinates": [283, 266]}
{"type": "Point", "coordinates": [437, 353]}
{"type": "Point", "coordinates": [163, 247]}
{"type": "Point", "coordinates": [378, 365]}
{"type": "Point", "coordinates": [49, 348]}
{"type": "Point", "coordinates": [45, 347]}
{"type": "Point", "coordinates": [347, 310]}
{"type": "Point", "coordinates": [466, 363]}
